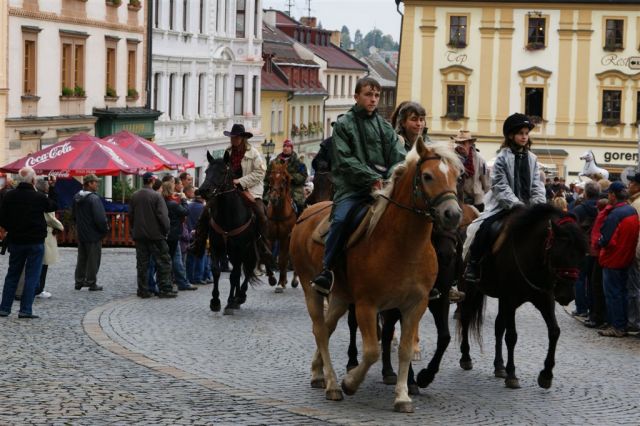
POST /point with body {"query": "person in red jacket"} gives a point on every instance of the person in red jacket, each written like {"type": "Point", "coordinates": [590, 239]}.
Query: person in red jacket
{"type": "Point", "coordinates": [617, 243]}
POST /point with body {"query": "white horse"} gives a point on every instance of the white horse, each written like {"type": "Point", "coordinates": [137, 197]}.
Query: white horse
{"type": "Point", "coordinates": [591, 168]}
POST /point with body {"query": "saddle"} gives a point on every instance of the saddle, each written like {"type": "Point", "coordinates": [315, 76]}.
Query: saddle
{"type": "Point", "coordinates": [357, 225]}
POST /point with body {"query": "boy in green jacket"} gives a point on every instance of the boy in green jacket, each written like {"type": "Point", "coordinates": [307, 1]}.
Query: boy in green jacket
{"type": "Point", "coordinates": [365, 148]}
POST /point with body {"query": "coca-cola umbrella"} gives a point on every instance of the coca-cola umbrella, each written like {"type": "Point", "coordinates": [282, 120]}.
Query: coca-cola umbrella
{"type": "Point", "coordinates": [80, 155]}
{"type": "Point", "coordinates": [150, 152]}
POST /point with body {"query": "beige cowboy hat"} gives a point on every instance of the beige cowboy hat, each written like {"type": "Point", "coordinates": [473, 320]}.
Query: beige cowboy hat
{"type": "Point", "coordinates": [463, 136]}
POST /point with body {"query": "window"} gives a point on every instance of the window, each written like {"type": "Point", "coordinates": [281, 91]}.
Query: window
{"type": "Point", "coordinates": [293, 115]}
{"type": "Point", "coordinates": [350, 85]}
{"type": "Point", "coordinates": [201, 16]}
{"type": "Point", "coordinates": [335, 85]}
{"type": "Point", "coordinates": [172, 10]}
{"type": "Point", "coordinates": [111, 70]}
{"type": "Point", "coordinates": [342, 88]}
{"type": "Point", "coordinates": [614, 34]}
{"type": "Point", "coordinates": [254, 94]}
{"type": "Point", "coordinates": [455, 101]}
{"type": "Point", "coordinates": [611, 102]}
{"type": "Point", "coordinates": [201, 95]}
{"type": "Point", "coordinates": [457, 31]}
{"type": "Point", "coordinates": [185, 16]}
{"type": "Point", "coordinates": [240, 18]}
{"type": "Point", "coordinates": [185, 94]}
{"type": "Point", "coordinates": [29, 66]}
{"type": "Point", "coordinates": [238, 95]}
{"type": "Point", "coordinates": [280, 124]}
{"type": "Point", "coordinates": [328, 84]}
{"type": "Point", "coordinates": [132, 54]}
{"type": "Point", "coordinates": [536, 32]}
{"type": "Point", "coordinates": [171, 81]}
{"type": "Point", "coordinates": [72, 63]}
{"type": "Point", "coordinates": [256, 19]}
{"type": "Point", "coordinates": [273, 121]}
{"type": "Point", "coordinates": [156, 83]}
{"type": "Point", "coordinates": [533, 102]}
{"type": "Point", "coordinates": [156, 13]}
{"type": "Point", "coordinates": [637, 108]}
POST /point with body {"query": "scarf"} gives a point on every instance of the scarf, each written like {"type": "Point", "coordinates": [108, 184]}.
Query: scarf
{"type": "Point", "coordinates": [237, 154]}
{"type": "Point", "coordinates": [469, 168]}
{"type": "Point", "coordinates": [522, 176]}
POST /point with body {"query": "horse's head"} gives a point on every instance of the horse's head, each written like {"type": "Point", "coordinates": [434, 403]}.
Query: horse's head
{"type": "Point", "coordinates": [279, 182]}
{"type": "Point", "coordinates": [565, 248]}
{"type": "Point", "coordinates": [218, 176]}
{"type": "Point", "coordinates": [587, 156]}
{"type": "Point", "coordinates": [437, 172]}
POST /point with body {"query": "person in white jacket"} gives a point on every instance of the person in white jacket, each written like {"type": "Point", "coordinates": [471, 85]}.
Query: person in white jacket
{"type": "Point", "coordinates": [515, 181]}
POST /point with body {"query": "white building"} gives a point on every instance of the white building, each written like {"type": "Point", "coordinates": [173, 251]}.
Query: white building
{"type": "Point", "coordinates": [66, 58]}
{"type": "Point", "coordinates": [207, 58]}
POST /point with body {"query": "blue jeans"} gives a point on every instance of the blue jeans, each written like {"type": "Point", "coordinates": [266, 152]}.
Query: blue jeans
{"type": "Point", "coordinates": [582, 304]}
{"type": "Point", "coordinates": [27, 257]}
{"type": "Point", "coordinates": [633, 293]}
{"type": "Point", "coordinates": [178, 269]}
{"type": "Point", "coordinates": [335, 241]}
{"type": "Point", "coordinates": [195, 268]}
{"type": "Point", "coordinates": [615, 294]}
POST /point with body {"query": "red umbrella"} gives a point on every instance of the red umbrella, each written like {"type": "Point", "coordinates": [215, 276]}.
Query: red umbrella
{"type": "Point", "coordinates": [80, 155]}
{"type": "Point", "coordinates": [150, 152]}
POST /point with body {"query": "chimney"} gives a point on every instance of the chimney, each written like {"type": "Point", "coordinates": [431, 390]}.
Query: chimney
{"type": "Point", "coordinates": [309, 21]}
{"type": "Point", "coordinates": [269, 17]}
{"type": "Point", "coordinates": [336, 37]}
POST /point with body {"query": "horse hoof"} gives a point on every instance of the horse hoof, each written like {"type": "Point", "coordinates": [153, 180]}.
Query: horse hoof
{"type": "Point", "coordinates": [403, 407]}
{"type": "Point", "coordinates": [318, 384]}
{"type": "Point", "coordinates": [390, 379]}
{"type": "Point", "coordinates": [240, 300]}
{"type": "Point", "coordinates": [279, 290]}
{"type": "Point", "coordinates": [228, 311]}
{"type": "Point", "coordinates": [544, 382]}
{"type": "Point", "coordinates": [294, 283]}
{"type": "Point", "coordinates": [500, 373]}
{"type": "Point", "coordinates": [334, 395]}
{"type": "Point", "coordinates": [272, 281]}
{"type": "Point", "coordinates": [346, 389]}
{"type": "Point", "coordinates": [512, 383]}
{"type": "Point", "coordinates": [425, 377]}
{"type": "Point", "coordinates": [466, 365]}
{"type": "Point", "coordinates": [215, 305]}
{"type": "Point", "coordinates": [413, 389]}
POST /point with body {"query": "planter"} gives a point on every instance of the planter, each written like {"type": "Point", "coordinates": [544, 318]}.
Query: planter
{"type": "Point", "coordinates": [132, 98]}
{"type": "Point", "coordinates": [111, 98]}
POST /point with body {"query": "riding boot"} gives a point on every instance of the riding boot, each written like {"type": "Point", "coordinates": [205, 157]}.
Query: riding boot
{"type": "Point", "coordinates": [323, 282]}
{"type": "Point", "coordinates": [472, 271]}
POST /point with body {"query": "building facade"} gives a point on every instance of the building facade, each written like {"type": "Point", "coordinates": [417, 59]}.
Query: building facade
{"type": "Point", "coordinates": [207, 57]}
{"type": "Point", "coordinates": [570, 65]}
{"type": "Point", "coordinates": [4, 88]}
{"type": "Point", "coordinates": [66, 58]}
{"type": "Point", "coordinates": [382, 70]}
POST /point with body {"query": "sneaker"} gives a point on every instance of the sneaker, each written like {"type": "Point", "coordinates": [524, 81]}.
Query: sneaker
{"type": "Point", "coordinates": [323, 283]}
{"type": "Point", "coordinates": [592, 324]}
{"type": "Point", "coordinates": [29, 316]}
{"type": "Point", "coordinates": [95, 288]}
{"type": "Point", "coordinates": [44, 295]}
{"type": "Point", "coordinates": [167, 295]}
{"type": "Point", "coordinates": [4, 314]}
{"type": "Point", "coordinates": [612, 332]}
{"type": "Point", "coordinates": [79, 286]}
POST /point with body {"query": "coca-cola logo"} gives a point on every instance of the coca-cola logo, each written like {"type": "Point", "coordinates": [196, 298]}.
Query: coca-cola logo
{"type": "Point", "coordinates": [54, 152]}
{"type": "Point", "coordinates": [115, 157]}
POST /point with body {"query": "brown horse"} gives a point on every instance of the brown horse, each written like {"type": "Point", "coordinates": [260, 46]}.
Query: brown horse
{"type": "Point", "coordinates": [322, 188]}
{"type": "Point", "coordinates": [282, 218]}
{"type": "Point", "coordinates": [394, 266]}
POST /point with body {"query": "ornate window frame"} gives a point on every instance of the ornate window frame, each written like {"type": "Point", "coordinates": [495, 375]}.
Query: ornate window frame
{"type": "Point", "coordinates": [612, 80]}
{"type": "Point", "coordinates": [462, 43]}
{"type": "Point", "coordinates": [535, 77]}
{"type": "Point", "coordinates": [625, 27]}
{"type": "Point", "coordinates": [455, 75]}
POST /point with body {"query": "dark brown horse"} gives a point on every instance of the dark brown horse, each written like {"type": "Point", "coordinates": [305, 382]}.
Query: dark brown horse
{"type": "Point", "coordinates": [394, 266]}
{"type": "Point", "coordinates": [322, 188]}
{"type": "Point", "coordinates": [282, 218]}
{"type": "Point", "coordinates": [536, 259]}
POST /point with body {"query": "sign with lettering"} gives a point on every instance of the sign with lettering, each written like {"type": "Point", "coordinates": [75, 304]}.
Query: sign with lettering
{"type": "Point", "coordinates": [456, 58]}
{"type": "Point", "coordinates": [632, 62]}
{"type": "Point", "coordinates": [49, 155]}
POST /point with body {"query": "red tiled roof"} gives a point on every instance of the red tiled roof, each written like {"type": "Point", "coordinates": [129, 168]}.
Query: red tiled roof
{"type": "Point", "coordinates": [270, 81]}
{"type": "Point", "coordinates": [336, 57]}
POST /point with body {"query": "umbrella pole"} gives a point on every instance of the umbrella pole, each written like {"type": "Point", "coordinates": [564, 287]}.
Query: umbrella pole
{"type": "Point", "coordinates": [122, 182]}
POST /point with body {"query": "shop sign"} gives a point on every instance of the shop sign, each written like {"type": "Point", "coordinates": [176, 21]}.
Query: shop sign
{"type": "Point", "coordinates": [632, 62]}
{"type": "Point", "coordinates": [456, 58]}
{"type": "Point", "coordinates": [615, 156]}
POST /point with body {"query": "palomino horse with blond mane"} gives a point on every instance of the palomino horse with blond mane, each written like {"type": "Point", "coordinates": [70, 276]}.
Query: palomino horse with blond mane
{"type": "Point", "coordinates": [281, 219]}
{"type": "Point", "coordinates": [393, 266]}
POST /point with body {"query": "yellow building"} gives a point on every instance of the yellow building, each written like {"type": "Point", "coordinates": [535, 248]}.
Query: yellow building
{"type": "Point", "coordinates": [275, 120]}
{"type": "Point", "coordinates": [573, 65]}
{"type": "Point", "coordinates": [4, 89]}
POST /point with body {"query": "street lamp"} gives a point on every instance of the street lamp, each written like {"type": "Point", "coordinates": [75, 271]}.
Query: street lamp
{"type": "Point", "coordinates": [267, 149]}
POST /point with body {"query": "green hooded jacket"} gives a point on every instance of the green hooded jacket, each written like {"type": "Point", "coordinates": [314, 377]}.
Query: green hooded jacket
{"type": "Point", "coordinates": [364, 149]}
{"type": "Point", "coordinates": [298, 171]}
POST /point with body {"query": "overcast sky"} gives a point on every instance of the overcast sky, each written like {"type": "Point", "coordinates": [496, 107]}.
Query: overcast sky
{"type": "Point", "coordinates": [355, 14]}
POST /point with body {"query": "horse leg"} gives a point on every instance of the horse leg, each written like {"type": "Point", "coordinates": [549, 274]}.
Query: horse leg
{"type": "Point", "coordinates": [389, 320]}
{"type": "Point", "coordinates": [498, 362]}
{"type": "Point", "coordinates": [352, 352]}
{"type": "Point", "coordinates": [234, 285]}
{"type": "Point", "coordinates": [283, 261]}
{"type": "Point", "coordinates": [214, 305]}
{"type": "Point", "coordinates": [241, 294]}
{"type": "Point", "coordinates": [547, 310]}
{"type": "Point", "coordinates": [269, 271]}
{"type": "Point", "coordinates": [410, 321]}
{"type": "Point", "coordinates": [511, 339]}
{"type": "Point", "coordinates": [467, 308]}
{"type": "Point", "coordinates": [367, 321]}
{"type": "Point", "coordinates": [440, 312]}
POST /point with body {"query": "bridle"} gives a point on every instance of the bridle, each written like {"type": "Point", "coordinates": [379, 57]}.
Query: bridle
{"type": "Point", "coordinates": [556, 272]}
{"type": "Point", "coordinates": [279, 198]}
{"type": "Point", "coordinates": [430, 204]}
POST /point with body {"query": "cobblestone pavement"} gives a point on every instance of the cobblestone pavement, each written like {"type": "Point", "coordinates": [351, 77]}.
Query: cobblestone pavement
{"type": "Point", "coordinates": [109, 357]}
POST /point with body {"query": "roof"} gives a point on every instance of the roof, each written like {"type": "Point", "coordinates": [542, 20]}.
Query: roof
{"type": "Point", "coordinates": [126, 112]}
{"type": "Point", "coordinates": [336, 57]}
{"type": "Point", "coordinates": [278, 44]}
{"type": "Point", "coordinates": [271, 81]}
{"type": "Point", "coordinates": [380, 70]}
{"type": "Point", "coordinates": [605, 2]}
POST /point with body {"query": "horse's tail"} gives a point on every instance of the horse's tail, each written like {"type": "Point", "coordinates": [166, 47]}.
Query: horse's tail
{"type": "Point", "coordinates": [472, 310]}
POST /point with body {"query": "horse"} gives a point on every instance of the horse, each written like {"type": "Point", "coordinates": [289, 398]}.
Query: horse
{"type": "Point", "coordinates": [322, 188]}
{"type": "Point", "coordinates": [393, 266]}
{"type": "Point", "coordinates": [232, 230]}
{"type": "Point", "coordinates": [591, 168]}
{"type": "Point", "coordinates": [282, 217]}
{"type": "Point", "coordinates": [536, 259]}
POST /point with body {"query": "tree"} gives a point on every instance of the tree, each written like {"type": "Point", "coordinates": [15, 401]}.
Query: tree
{"type": "Point", "coordinates": [345, 38]}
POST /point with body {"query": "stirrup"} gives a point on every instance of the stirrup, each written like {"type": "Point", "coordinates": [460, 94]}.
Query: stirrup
{"type": "Point", "coordinates": [322, 289]}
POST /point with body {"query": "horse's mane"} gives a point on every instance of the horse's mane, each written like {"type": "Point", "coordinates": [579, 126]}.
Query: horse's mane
{"type": "Point", "coordinates": [524, 221]}
{"type": "Point", "coordinates": [442, 149]}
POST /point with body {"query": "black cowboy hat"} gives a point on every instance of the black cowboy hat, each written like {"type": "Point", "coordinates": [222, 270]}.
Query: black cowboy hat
{"type": "Point", "coordinates": [516, 122]}
{"type": "Point", "coordinates": [238, 130]}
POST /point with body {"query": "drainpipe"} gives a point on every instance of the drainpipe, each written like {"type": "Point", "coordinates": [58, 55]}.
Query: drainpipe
{"type": "Point", "coordinates": [149, 5]}
{"type": "Point", "coordinates": [400, 49]}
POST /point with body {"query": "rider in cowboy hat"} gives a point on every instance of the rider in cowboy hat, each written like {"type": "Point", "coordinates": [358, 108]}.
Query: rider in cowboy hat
{"type": "Point", "coordinates": [515, 181]}
{"type": "Point", "coordinates": [248, 168]}
{"type": "Point", "coordinates": [475, 181]}
{"type": "Point", "coordinates": [297, 170]}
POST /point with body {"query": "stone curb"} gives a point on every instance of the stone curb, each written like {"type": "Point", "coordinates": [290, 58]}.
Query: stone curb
{"type": "Point", "coordinates": [91, 326]}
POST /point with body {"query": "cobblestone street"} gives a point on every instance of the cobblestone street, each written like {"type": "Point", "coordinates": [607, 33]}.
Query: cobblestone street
{"type": "Point", "coordinates": [110, 357]}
